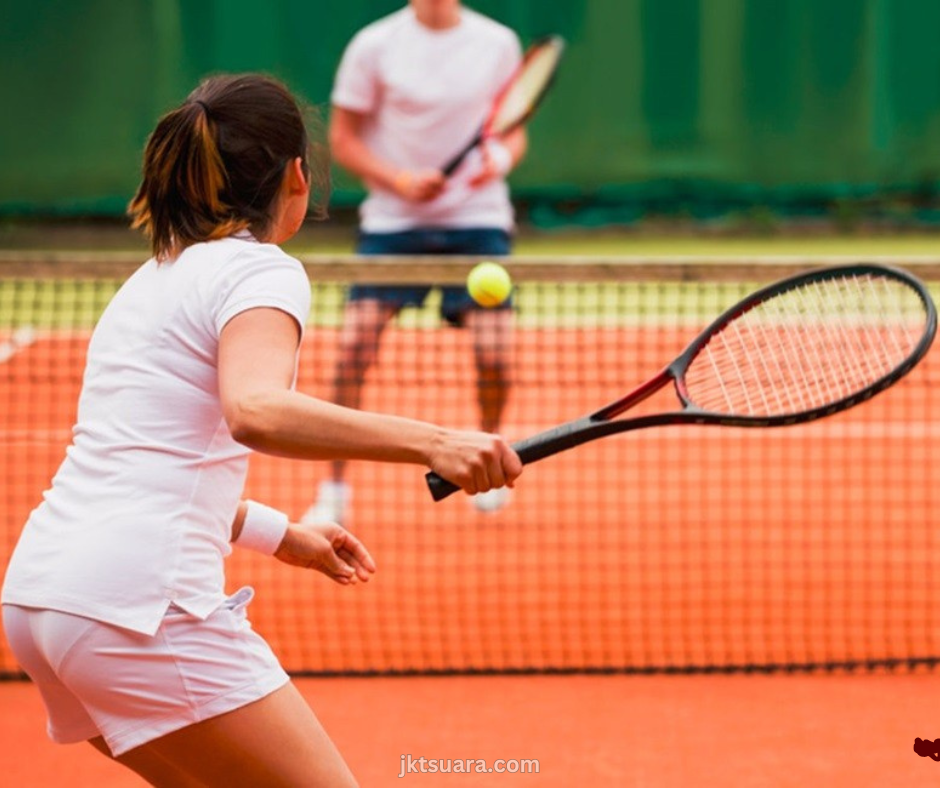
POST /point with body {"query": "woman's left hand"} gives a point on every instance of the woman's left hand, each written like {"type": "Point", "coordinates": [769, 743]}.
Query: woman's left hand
{"type": "Point", "coordinates": [329, 548]}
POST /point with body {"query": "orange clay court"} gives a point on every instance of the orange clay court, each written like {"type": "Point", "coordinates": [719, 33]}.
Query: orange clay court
{"type": "Point", "coordinates": [676, 606]}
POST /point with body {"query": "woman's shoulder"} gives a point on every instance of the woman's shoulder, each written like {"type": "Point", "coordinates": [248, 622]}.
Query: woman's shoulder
{"type": "Point", "coordinates": [248, 253]}
{"type": "Point", "coordinates": [222, 262]}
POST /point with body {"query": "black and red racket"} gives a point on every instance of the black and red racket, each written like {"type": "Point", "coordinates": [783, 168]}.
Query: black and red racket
{"type": "Point", "coordinates": [806, 347]}
{"type": "Point", "coordinates": [519, 97]}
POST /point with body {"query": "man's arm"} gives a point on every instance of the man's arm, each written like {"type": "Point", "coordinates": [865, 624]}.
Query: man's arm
{"type": "Point", "coordinates": [350, 152]}
{"type": "Point", "coordinates": [501, 155]}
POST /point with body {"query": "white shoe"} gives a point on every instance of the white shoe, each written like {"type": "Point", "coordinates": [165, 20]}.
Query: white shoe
{"type": "Point", "coordinates": [491, 500]}
{"type": "Point", "coordinates": [331, 504]}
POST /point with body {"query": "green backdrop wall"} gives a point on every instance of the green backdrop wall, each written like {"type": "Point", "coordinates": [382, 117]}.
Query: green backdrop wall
{"type": "Point", "coordinates": [705, 103]}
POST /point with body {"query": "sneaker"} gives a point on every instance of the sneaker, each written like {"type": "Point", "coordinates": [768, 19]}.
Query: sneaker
{"type": "Point", "coordinates": [491, 500]}
{"type": "Point", "coordinates": [331, 504]}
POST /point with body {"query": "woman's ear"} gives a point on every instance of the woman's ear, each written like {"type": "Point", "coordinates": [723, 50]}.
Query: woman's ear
{"type": "Point", "coordinates": [295, 177]}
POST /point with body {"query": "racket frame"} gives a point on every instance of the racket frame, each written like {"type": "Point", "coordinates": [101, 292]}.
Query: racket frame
{"type": "Point", "coordinates": [486, 130]}
{"type": "Point", "coordinates": [601, 423]}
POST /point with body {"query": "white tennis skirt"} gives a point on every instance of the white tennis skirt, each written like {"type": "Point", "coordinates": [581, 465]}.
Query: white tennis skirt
{"type": "Point", "coordinates": [97, 679]}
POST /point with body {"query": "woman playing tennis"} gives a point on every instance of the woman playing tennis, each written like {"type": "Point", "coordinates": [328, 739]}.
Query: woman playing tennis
{"type": "Point", "coordinates": [113, 602]}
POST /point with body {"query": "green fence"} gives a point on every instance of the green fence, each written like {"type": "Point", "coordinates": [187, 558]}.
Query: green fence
{"type": "Point", "coordinates": [696, 105]}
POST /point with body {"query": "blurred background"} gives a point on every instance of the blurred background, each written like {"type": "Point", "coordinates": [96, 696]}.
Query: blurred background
{"type": "Point", "coordinates": [733, 115]}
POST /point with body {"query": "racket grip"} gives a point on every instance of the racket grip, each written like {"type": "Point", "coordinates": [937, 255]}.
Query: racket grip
{"type": "Point", "coordinates": [440, 488]}
{"type": "Point", "coordinates": [451, 167]}
{"type": "Point", "coordinates": [530, 450]}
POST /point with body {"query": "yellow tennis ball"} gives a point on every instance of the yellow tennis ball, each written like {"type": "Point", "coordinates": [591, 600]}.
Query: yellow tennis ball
{"type": "Point", "coordinates": [489, 284]}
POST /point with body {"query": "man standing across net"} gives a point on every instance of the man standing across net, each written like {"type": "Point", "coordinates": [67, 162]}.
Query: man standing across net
{"type": "Point", "coordinates": [410, 90]}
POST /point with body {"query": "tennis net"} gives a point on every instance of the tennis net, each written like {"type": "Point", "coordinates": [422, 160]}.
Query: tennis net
{"type": "Point", "coordinates": [670, 549]}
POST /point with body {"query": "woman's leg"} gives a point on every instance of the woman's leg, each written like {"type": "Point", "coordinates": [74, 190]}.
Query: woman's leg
{"type": "Point", "coordinates": [154, 769]}
{"type": "Point", "coordinates": [276, 742]}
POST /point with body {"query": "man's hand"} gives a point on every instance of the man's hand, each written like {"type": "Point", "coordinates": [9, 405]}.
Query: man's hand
{"type": "Point", "coordinates": [495, 162]}
{"type": "Point", "coordinates": [419, 186]}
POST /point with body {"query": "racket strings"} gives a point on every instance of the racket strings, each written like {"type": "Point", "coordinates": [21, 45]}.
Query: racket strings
{"type": "Point", "coordinates": [527, 87]}
{"type": "Point", "coordinates": [808, 347]}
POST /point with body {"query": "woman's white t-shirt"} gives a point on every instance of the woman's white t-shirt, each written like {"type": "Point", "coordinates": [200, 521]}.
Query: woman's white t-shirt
{"type": "Point", "coordinates": [139, 514]}
{"type": "Point", "coordinates": [423, 94]}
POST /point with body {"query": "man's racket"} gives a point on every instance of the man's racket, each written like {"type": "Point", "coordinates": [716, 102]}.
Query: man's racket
{"type": "Point", "coordinates": [519, 97]}
{"type": "Point", "coordinates": [803, 348]}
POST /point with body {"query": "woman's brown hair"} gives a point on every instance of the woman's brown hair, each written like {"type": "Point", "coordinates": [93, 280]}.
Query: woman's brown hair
{"type": "Point", "coordinates": [214, 165]}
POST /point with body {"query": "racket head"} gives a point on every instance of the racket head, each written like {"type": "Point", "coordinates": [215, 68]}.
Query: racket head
{"type": "Point", "coordinates": [807, 347]}
{"type": "Point", "coordinates": [526, 88]}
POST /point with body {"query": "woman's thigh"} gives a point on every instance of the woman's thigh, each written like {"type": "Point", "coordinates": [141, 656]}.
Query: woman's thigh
{"type": "Point", "coordinates": [276, 741]}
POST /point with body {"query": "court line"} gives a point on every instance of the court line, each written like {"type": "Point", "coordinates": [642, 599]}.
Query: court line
{"type": "Point", "coordinates": [823, 430]}
{"type": "Point", "coordinates": [19, 340]}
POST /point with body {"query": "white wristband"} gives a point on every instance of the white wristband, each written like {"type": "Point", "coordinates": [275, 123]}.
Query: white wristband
{"type": "Point", "coordinates": [263, 529]}
{"type": "Point", "coordinates": [500, 157]}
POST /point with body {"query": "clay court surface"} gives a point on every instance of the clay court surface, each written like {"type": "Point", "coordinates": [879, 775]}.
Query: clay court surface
{"type": "Point", "coordinates": [657, 731]}
{"type": "Point", "coordinates": [675, 548]}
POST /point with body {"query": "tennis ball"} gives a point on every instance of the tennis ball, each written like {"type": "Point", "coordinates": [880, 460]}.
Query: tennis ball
{"type": "Point", "coordinates": [489, 284]}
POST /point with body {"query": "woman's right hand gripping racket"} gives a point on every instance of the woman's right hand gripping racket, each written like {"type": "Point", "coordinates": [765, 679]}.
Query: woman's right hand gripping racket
{"type": "Point", "coordinates": [519, 97]}
{"type": "Point", "coordinates": [798, 350]}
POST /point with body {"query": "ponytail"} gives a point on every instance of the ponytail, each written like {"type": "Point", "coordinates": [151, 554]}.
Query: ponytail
{"type": "Point", "coordinates": [179, 201]}
{"type": "Point", "coordinates": [213, 166]}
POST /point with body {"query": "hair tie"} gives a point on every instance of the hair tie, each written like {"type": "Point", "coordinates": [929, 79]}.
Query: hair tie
{"type": "Point", "coordinates": [204, 106]}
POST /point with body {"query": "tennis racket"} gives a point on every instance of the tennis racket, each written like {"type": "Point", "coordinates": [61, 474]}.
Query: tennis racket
{"type": "Point", "coordinates": [798, 350]}
{"type": "Point", "coordinates": [519, 97]}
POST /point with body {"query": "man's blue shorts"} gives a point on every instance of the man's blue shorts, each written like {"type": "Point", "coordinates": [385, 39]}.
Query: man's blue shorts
{"type": "Point", "coordinates": [455, 301]}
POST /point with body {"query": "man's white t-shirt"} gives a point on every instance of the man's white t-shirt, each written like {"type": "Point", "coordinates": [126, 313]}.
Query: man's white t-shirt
{"type": "Point", "coordinates": [423, 95]}
{"type": "Point", "coordinates": [139, 514]}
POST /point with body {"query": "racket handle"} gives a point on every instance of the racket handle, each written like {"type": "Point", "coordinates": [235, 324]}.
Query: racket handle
{"type": "Point", "coordinates": [530, 449]}
{"type": "Point", "coordinates": [440, 488]}
{"type": "Point", "coordinates": [451, 167]}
